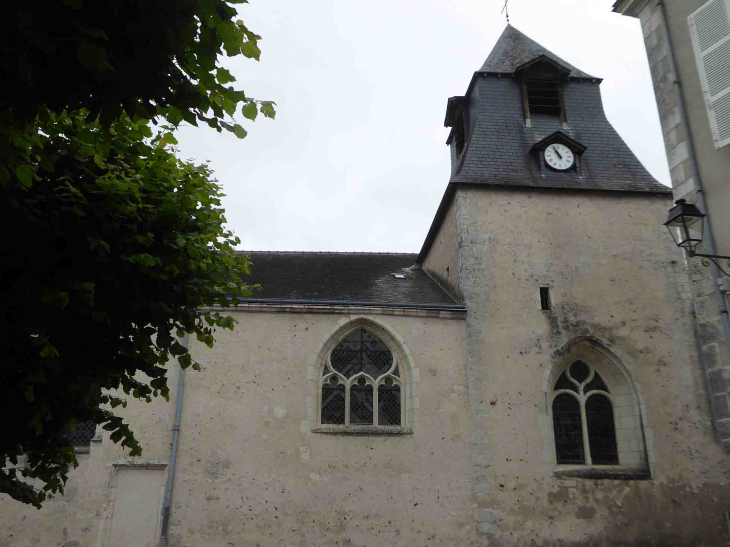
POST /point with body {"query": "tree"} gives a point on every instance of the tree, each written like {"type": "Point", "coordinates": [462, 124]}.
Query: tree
{"type": "Point", "coordinates": [146, 57]}
{"type": "Point", "coordinates": [112, 244]}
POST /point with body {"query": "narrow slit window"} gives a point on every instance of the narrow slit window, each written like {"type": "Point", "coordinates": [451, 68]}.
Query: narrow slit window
{"type": "Point", "coordinates": [545, 303]}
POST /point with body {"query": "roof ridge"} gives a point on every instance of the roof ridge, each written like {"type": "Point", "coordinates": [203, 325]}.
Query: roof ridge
{"type": "Point", "coordinates": [514, 48]}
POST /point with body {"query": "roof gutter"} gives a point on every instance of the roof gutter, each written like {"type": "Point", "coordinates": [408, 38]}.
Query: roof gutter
{"type": "Point", "coordinates": [302, 302]}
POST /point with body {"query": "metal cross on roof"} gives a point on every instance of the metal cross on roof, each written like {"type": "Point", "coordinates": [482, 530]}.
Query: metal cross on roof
{"type": "Point", "coordinates": [505, 9]}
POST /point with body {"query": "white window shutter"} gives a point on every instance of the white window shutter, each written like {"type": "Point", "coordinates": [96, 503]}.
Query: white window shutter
{"type": "Point", "coordinates": [710, 30]}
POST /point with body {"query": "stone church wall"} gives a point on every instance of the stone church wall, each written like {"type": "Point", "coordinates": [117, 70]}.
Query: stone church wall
{"type": "Point", "coordinates": [82, 517]}
{"type": "Point", "coordinates": [250, 472]}
{"type": "Point", "coordinates": [442, 262]}
{"type": "Point", "coordinates": [618, 292]}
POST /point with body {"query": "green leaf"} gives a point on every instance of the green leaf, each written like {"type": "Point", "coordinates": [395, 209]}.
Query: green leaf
{"type": "Point", "coordinates": [94, 32]}
{"type": "Point", "coordinates": [229, 106]}
{"type": "Point", "coordinates": [57, 299]}
{"type": "Point", "coordinates": [267, 109]}
{"type": "Point", "coordinates": [250, 111]}
{"type": "Point", "coordinates": [251, 50]}
{"type": "Point", "coordinates": [48, 163]}
{"type": "Point", "coordinates": [92, 56]}
{"type": "Point", "coordinates": [224, 77]}
{"type": "Point", "coordinates": [99, 161]}
{"type": "Point", "coordinates": [169, 138]}
{"type": "Point", "coordinates": [49, 352]}
{"type": "Point", "coordinates": [116, 436]}
{"type": "Point", "coordinates": [185, 360]}
{"type": "Point", "coordinates": [25, 175]}
{"type": "Point", "coordinates": [239, 131]}
{"type": "Point", "coordinates": [178, 349]}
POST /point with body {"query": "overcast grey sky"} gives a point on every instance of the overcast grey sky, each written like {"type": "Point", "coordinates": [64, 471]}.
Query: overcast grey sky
{"type": "Point", "coordinates": [356, 159]}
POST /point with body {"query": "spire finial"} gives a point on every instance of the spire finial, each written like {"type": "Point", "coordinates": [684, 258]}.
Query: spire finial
{"type": "Point", "coordinates": [505, 10]}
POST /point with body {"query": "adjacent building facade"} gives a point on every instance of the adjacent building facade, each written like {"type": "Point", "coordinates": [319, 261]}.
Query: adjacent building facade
{"type": "Point", "coordinates": [688, 47]}
{"type": "Point", "coordinates": [531, 377]}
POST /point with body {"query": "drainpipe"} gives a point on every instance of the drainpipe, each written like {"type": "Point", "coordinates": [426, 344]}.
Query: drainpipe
{"type": "Point", "coordinates": [173, 453]}
{"type": "Point", "coordinates": [709, 240]}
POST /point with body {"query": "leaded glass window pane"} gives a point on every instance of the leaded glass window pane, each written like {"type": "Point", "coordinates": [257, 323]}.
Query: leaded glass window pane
{"type": "Point", "coordinates": [579, 371]}
{"type": "Point", "coordinates": [361, 403]}
{"type": "Point", "coordinates": [361, 351]}
{"type": "Point", "coordinates": [363, 356]}
{"type": "Point", "coordinates": [596, 384]}
{"type": "Point", "coordinates": [82, 433]}
{"type": "Point", "coordinates": [333, 403]}
{"type": "Point", "coordinates": [568, 430]}
{"type": "Point", "coordinates": [345, 357]}
{"type": "Point", "coordinates": [564, 383]}
{"type": "Point", "coordinates": [389, 404]}
{"type": "Point", "coordinates": [601, 431]}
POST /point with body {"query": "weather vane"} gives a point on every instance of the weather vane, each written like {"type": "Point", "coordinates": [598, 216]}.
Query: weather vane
{"type": "Point", "coordinates": [505, 10]}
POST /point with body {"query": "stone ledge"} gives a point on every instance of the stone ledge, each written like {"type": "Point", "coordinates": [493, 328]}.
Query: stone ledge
{"type": "Point", "coordinates": [603, 473]}
{"type": "Point", "coordinates": [457, 314]}
{"type": "Point", "coordinates": [363, 430]}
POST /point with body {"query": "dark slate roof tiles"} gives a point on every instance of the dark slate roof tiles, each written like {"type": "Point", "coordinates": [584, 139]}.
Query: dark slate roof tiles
{"type": "Point", "coordinates": [362, 278]}
{"type": "Point", "coordinates": [497, 151]}
{"type": "Point", "coordinates": [514, 49]}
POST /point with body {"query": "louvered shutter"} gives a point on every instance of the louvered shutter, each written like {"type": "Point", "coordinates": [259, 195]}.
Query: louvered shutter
{"type": "Point", "coordinates": [710, 30]}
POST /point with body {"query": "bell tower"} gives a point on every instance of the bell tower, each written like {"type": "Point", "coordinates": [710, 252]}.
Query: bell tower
{"type": "Point", "coordinates": [530, 118]}
{"type": "Point", "coordinates": [550, 233]}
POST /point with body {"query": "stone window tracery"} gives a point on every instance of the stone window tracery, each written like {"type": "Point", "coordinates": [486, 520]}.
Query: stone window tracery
{"type": "Point", "coordinates": [583, 418]}
{"type": "Point", "coordinates": [361, 384]}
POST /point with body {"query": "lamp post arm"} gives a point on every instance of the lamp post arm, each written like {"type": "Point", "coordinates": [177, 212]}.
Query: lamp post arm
{"type": "Point", "coordinates": [713, 257]}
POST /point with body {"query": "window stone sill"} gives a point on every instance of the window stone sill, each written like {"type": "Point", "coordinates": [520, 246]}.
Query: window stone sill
{"type": "Point", "coordinates": [362, 430]}
{"type": "Point", "coordinates": [602, 472]}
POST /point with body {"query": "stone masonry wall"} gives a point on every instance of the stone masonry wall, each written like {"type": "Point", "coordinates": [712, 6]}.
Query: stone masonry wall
{"type": "Point", "coordinates": [251, 472]}
{"type": "Point", "coordinates": [442, 261]}
{"type": "Point", "coordinates": [620, 287]}
{"type": "Point", "coordinates": [82, 516]}
{"type": "Point", "coordinates": [713, 166]}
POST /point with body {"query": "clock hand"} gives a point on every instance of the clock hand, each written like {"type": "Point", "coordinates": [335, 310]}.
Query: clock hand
{"type": "Point", "coordinates": [555, 149]}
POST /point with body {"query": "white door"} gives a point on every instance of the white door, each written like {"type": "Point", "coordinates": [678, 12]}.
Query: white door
{"type": "Point", "coordinates": [137, 507]}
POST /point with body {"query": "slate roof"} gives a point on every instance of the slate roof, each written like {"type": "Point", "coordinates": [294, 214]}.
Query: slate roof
{"type": "Point", "coordinates": [339, 278]}
{"type": "Point", "coordinates": [514, 49]}
{"type": "Point", "coordinates": [498, 149]}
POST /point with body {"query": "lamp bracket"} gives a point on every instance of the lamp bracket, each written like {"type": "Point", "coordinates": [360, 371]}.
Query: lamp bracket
{"type": "Point", "coordinates": [712, 258]}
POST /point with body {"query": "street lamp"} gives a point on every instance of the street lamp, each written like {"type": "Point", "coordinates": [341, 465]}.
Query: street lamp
{"type": "Point", "coordinates": [686, 226]}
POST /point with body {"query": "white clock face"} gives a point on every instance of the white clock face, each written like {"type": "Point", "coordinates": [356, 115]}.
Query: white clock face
{"type": "Point", "coordinates": [559, 156]}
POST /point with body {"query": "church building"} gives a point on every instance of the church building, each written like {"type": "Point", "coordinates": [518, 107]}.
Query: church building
{"type": "Point", "coordinates": [530, 377]}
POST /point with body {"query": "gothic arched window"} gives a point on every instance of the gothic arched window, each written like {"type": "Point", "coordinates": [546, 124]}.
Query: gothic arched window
{"type": "Point", "coordinates": [361, 383]}
{"type": "Point", "coordinates": [583, 421]}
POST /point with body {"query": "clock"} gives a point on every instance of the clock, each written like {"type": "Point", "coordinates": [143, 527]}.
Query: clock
{"type": "Point", "coordinates": [559, 157]}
